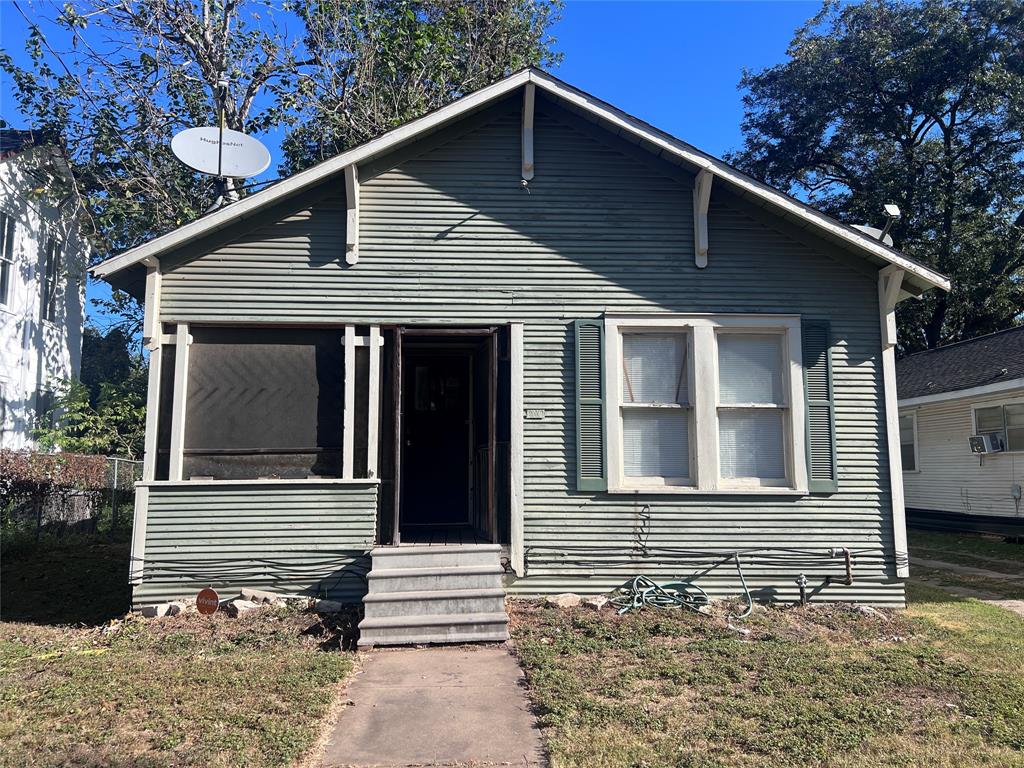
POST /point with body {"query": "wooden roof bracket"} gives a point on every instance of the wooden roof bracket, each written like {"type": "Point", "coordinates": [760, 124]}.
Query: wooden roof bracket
{"type": "Point", "coordinates": [352, 219]}
{"type": "Point", "coordinates": [701, 200]}
{"type": "Point", "coordinates": [529, 94]}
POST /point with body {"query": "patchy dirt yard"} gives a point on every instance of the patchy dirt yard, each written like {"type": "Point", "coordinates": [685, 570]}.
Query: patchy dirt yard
{"type": "Point", "coordinates": [187, 690]}
{"type": "Point", "coordinates": [79, 687]}
{"type": "Point", "coordinates": [937, 685]}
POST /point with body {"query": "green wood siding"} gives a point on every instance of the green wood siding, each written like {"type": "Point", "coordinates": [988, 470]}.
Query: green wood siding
{"type": "Point", "coordinates": [449, 236]}
{"type": "Point", "coordinates": [303, 538]}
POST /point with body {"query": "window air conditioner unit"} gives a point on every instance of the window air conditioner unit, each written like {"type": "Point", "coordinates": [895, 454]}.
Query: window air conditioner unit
{"type": "Point", "coordinates": [988, 443]}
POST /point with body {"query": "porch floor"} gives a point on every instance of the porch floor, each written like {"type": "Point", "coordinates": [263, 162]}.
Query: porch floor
{"type": "Point", "coordinates": [443, 535]}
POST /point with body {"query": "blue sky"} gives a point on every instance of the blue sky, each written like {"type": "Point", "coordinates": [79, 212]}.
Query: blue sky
{"type": "Point", "coordinates": [674, 64]}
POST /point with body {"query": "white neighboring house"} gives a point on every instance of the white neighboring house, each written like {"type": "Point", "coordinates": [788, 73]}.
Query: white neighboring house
{"type": "Point", "coordinates": [946, 395]}
{"type": "Point", "coordinates": [42, 284]}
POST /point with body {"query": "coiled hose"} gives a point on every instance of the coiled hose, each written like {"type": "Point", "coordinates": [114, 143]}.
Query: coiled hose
{"type": "Point", "coordinates": [641, 591]}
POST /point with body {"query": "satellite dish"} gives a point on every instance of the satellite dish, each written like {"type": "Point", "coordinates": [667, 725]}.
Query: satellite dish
{"type": "Point", "coordinates": [874, 232]}
{"type": "Point", "coordinates": [221, 152]}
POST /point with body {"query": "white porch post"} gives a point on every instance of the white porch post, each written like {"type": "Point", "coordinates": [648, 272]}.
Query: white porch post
{"type": "Point", "coordinates": [889, 281]}
{"type": "Point", "coordinates": [177, 459]}
{"type": "Point", "coordinates": [348, 437]}
{"type": "Point", "coordinates": [517, 546]}
{"type": "Point", "coordinates": [373, 405]}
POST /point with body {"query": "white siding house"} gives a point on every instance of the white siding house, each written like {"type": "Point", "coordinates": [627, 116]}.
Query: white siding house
{"type": "Point", "coordinates": [947, 395]}
{"type": "Point", "coordinates": [42, 285]}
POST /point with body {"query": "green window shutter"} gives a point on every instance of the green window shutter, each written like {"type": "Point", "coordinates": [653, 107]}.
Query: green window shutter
{"type": "Point", "coordinates": [820, 400]}
{"type": "Point", "coordinates": [590, 448]}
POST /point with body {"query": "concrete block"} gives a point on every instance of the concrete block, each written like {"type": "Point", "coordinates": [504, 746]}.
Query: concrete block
{"type": "Point", "coordinates": [259, 596]}
{"type": "Point", "coordinates": [328, 606]}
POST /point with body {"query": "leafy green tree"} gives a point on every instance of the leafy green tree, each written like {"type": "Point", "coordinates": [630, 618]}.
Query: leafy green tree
{"type": "Point", "coordinates": [106, 358]}
{"type": "Point", "coordinates": [380, 63]}
{"type": "Point", "coordinates": [921, 104]}
{"type": "Point", "coordinates": [115, 425]}
{"type": "Point", "coordinates": [137, 72]}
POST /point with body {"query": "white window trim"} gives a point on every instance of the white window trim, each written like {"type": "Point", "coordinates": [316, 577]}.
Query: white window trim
{"type": "Point", "coordinates": [702, 331]}
{"type": "Point", "coordinates": [5, 300]}
{"type": "Point", "coordinates": [995, 404]}
{"type": "Point", "coordinates": [917, 444]}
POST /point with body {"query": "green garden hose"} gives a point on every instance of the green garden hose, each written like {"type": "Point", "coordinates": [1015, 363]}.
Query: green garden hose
{"type": "Point", "coordinates": [641, 591]}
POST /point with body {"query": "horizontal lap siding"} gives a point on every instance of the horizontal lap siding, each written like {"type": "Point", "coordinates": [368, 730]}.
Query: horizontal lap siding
{"type": "Point", "coordinates": [451, 237]}
{"type": "Point", "coordinates": [302, 538]}
{"type": "Point", "coordinates": [951, 478]}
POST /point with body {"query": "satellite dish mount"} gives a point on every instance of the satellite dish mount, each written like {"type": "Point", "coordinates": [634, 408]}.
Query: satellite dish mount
{"type": "Point", "coordinates": [220, 152]}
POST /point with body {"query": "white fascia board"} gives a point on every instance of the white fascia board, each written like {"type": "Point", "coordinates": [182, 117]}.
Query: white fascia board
{"type": "Point", "coordinates": [702, 160]}
{"type": "Point", "coordinates": [300, 181]}
{"type": "Point", "coordinates": [307, 178]}
{"type": "Point", "coordinates": [964, 394]}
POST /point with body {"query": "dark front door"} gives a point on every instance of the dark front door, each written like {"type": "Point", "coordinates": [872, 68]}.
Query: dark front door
{"type": "Point", "coordinates": [436, 434]}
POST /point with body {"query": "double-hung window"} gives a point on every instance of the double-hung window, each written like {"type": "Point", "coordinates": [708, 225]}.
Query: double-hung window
{"type": "Point", "coordinates": [51, 274]}
{"type": "Point", "coordinates": [753, 408]}
{"type": "Point", "coordinates": [7, 225]}
{"type": "Point", "coordinates": [705, 403]}
{"type": "Point", "coordinates": [655, 408]}
{"type": "Point", "coordinates": [1006, 421]}
{"type": "Point", "coordinates": [908, 441]}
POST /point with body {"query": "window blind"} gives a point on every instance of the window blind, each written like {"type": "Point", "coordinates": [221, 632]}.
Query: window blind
{"type": "Point", "coordinates": [751, 443]}
{"type": "Point", "coordinates": [750, 368]}
{"type": "Point", "coordinates": [655, 443]}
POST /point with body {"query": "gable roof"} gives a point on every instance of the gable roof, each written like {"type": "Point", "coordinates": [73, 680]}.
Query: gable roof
{"type": "Point", "coordinates": [918, 277]}
{"type": "Point", "coordinates": [995, 359]}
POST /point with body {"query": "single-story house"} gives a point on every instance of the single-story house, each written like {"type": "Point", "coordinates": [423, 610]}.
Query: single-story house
{"type": "Point", "coordinates": [962, 434]}
{"type": "Point", "coordinates": [526, 343]}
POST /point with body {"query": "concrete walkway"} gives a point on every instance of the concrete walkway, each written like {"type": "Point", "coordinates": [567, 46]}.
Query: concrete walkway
{"type": "Point", "coordinates": [436, 707]}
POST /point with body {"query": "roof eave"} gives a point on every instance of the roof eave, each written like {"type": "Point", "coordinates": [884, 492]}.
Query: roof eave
{"type": "Point", "coordinates": [917, 275]}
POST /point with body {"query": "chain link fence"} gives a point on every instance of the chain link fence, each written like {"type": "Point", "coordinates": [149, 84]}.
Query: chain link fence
{"type": "Point", "coordinates": [57, 494]}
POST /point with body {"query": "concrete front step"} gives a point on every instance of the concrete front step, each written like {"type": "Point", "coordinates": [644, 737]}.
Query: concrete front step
{"type": "Point", "coordinates": [424, 579]}
{"type": "Point", "coordinates": [430, 556]}
{"type": "Point", "coordinates": [441, 602]}
{"type": "Point", "coordinates": [450, 628]}
{"type": "Point", "coordinates": [434, 594]}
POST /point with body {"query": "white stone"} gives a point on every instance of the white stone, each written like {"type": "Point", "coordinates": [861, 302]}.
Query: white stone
{"type": "Point", "coordinates": [596, 603]}
{"type": "Point", "coordinates": [564, 600]}
{"type": "Point", "coordinates": [237, 607]}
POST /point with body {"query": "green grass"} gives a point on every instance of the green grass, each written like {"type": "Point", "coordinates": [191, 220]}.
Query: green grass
{"type": "Point", "coordinates": [976, 550]}
{"type": "Point", "coordinates": [990, 553]}
{"type": "Point", "coordinates": [937, 685]}
{"type": "Point", "coordinates": [187, 690]}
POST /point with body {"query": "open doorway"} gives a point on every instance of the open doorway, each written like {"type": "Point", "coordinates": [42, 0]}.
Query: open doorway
{"type": "Point", "coordinates": [449, 439]}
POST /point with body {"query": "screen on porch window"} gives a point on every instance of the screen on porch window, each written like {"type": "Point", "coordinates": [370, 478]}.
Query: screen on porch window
{"type": "Point", "coordinates": [264, 403]}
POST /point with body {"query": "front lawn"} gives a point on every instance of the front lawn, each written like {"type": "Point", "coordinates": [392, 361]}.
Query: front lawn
{"type": "Point", "coordinates": [187, 690]}
{"type": "Point", "coordinates": [79, 687]}
{"type": "Point", "coordinates": [937, 685]}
